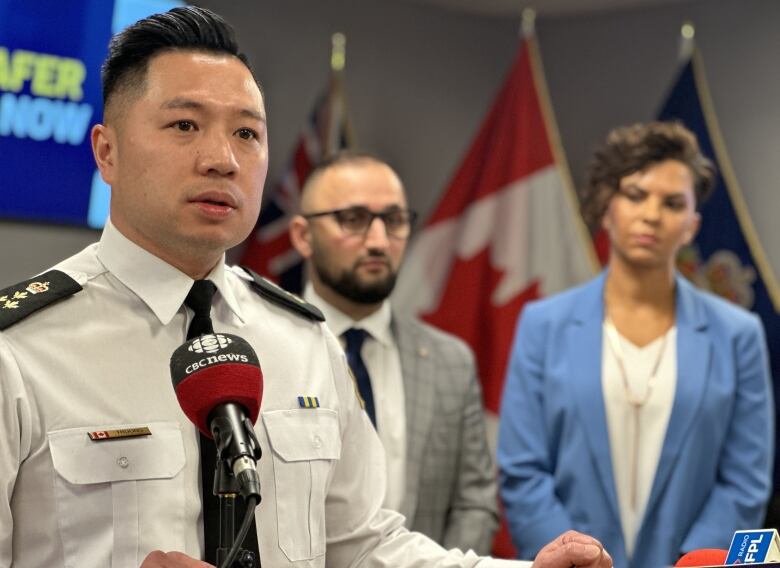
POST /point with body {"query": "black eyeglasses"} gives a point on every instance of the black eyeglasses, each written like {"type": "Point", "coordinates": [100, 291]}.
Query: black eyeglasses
{"type": "Point", "coordinates": [356, 220]}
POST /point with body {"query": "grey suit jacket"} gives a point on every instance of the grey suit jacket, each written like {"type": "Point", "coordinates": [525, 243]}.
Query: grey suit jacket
{"type": "Point", "coordinates": [450, 476]}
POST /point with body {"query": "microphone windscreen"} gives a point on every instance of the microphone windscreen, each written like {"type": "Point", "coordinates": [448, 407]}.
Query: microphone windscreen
{"type": "Point", "coordinates": [213, 369]}
{"type": "Point", "coordinates": [703, 557]}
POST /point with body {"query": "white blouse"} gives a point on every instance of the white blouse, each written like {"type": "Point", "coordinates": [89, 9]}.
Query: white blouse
{"type": "Point", "coordinates": [643, 427]}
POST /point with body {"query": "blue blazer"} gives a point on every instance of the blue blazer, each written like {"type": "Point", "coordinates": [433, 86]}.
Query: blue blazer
{"type": "Point", "coordinates": [714, 473]}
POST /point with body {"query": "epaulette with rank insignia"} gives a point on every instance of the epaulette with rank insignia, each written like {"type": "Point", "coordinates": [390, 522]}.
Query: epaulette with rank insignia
{"type": "Point", "coordinates": [22, 299]}
{"type": "Point", "coordinates": [282, 297]}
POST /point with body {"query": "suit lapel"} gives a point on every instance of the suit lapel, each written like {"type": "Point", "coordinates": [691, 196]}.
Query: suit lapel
{"type": "Point", "coordinates": [694, 351]}
{"type": "Point", "coordinates": [419, 396]}
{"type": "Point", "coordinates": [583, 352]}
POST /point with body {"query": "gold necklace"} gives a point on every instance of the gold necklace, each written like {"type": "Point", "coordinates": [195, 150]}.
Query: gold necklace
{"type": "Point", "coordinates": [636, 402]}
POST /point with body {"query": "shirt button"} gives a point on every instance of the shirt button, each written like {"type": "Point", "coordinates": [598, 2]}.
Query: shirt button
{"type": "Point", "coordinates": [317, 442]}
{"type": "Point", "coordinates": [123, 462]}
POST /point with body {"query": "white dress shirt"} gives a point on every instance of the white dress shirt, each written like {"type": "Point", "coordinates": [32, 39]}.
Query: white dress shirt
{"type": "Point", "coordinates": [99, 360]}
{"type": "Point", "coordinates": [380, 354]}
{"type": "Point", "coordinates": [653, 419]}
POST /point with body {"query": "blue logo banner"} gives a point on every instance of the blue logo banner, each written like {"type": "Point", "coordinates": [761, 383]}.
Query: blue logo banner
{"type": "Point", "coordinates": [50, 97]}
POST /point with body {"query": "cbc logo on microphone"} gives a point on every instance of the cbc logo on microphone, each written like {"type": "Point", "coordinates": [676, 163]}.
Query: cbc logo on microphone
{"type": "Point", "coordinates": [209, 343]}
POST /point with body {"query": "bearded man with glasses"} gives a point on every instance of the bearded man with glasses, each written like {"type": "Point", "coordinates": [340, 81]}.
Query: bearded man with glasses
{"type": "Point", "coordinates": [419, 384]}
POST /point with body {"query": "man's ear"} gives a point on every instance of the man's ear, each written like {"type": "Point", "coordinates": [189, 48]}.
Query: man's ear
{"type": "Point", "coordinates": [104, 149]}
{"type": "Point", "coordinates": [300, 236]}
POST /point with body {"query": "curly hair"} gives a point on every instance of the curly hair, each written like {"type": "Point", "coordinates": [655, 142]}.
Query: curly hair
{"type": "Point", "coordinates": [629, 149]}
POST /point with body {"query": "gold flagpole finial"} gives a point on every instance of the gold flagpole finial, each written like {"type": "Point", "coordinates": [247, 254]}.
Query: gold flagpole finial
{"type": "Point", "coordinates": [528, 22]}
{"type": "Point", "coordinates": [338, 51]}
{"type": "Point", "coordinates": [687, 33]}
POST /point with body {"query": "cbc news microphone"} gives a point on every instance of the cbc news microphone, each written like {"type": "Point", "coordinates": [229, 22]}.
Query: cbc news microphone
{"type": "Point", "coordinates": [219, 385]}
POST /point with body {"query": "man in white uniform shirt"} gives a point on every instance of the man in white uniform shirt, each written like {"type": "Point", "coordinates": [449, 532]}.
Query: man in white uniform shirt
{"type": "Point", "coordinates": [100, 465]}
{"type": "Point", "coordinates": [421, 390]}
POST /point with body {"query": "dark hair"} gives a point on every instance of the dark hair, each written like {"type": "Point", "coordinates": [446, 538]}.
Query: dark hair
{"type": "Point", "coordinates": [342, 158]}
{"type": "Point", "coordinates": [184, 28]}
{"type": "Point", "coordinates": [630, 149]}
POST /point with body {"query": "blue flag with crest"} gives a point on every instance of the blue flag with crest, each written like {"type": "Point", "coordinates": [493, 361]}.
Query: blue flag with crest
{"type": "Point", "coordinates": [726, 256]}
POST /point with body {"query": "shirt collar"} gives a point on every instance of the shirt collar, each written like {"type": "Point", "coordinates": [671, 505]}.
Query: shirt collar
{"type": "Point", "coordinates": [377, 324]}
{"type": "Point", "coordinates": [161, 286]}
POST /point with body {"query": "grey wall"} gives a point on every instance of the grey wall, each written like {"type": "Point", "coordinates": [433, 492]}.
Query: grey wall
{"type": "Point", "coordinates": [419, 81]}
{"type": "Point", "coordinates": [616, 68]}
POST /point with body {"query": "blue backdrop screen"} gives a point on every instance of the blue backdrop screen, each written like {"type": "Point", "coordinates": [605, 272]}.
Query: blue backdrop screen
{"type": "Point", "coordinates": [50, 56]}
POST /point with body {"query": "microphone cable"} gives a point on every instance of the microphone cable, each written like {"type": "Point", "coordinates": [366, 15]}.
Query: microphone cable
{"type": "Point", "coordinates": [251, 502]}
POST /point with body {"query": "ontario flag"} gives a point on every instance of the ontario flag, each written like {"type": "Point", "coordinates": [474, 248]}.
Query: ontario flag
{"type": "Point", "coordinates": [506, 231]}
{"type": "Point", "coordinates": [726, 257]}
{"type": "Point", "coordinates": [268, 250]}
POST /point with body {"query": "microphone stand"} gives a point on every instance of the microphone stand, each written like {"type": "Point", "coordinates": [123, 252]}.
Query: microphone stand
{"type": "Point", "coordinates": [226, 488]}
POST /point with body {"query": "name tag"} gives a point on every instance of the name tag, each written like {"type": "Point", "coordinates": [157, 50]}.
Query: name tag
{"type": "Point", "coordinates": [102, 435]}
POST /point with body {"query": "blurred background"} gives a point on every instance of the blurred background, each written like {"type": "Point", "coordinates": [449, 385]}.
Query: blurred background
{"type": "Point", "coordinates": [420, 76]}
{"type": "Point", "coordinates": [419, 79]}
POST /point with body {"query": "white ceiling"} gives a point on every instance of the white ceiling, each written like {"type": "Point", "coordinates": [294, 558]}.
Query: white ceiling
{"type": "Point", "coordinates": [513, 8]}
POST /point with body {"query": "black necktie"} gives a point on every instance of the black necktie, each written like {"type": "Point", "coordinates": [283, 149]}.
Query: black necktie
{"type": "Point", "coordinates": [354, 338]}
{"type": "Point", "coordinates": [199, 301]}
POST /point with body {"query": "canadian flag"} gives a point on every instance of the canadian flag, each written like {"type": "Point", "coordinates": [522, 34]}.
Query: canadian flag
{"type": "Point", "coordinates": [506, 231]}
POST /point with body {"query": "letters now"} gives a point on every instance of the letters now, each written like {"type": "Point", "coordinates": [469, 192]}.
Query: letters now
{"type": "Point", "coordinates": [43, 119]}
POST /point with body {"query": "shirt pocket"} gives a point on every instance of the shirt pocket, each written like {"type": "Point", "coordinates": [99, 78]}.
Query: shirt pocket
{"type": "Point", "coordinates": [304, 445]}
{"type": "Point", "coordinates": [108, 491]}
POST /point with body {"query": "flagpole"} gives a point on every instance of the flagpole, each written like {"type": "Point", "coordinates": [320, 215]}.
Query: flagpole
{"type": "Point", "coordinates": [528, 23]}
{"type": "Point", "coordinates": [331, 142]}
{"type": "Point", "coordinates": [528, 30]}
{"type": "Point", "coordinates": [687, 33]}
{"type": "Point", "coordinates": [338, 51]}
